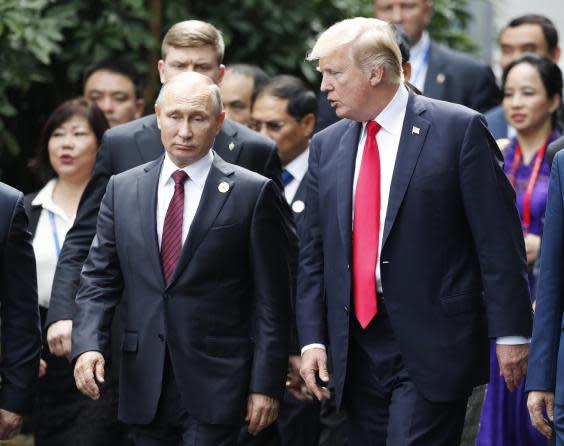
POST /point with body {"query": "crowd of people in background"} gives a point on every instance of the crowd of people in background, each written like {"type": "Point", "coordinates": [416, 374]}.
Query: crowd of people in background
{"type": "Point", "coordinates": [133, 391]}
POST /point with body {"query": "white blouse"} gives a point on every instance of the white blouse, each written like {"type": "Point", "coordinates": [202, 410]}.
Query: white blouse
{"type": "Point", "coordinates": [50, 233]}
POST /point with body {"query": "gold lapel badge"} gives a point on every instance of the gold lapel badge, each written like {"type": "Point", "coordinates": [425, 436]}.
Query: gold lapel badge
{"type": "Point", "coordinates": [231, 145]}
{"type": "Point", "coordinates": [441, 78]}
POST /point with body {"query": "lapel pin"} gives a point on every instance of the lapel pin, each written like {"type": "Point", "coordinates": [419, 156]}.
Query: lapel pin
{"type": "Point", "coordinates": [415, 130]}
{"type": "Point", "coordinates": [441, 78]}
{"type": "Point", "coordinates": [223, 187]}
{"type": "Point", "coordinates": [231, 145]}
{"type": "Point", "coordinates": [298, 206]}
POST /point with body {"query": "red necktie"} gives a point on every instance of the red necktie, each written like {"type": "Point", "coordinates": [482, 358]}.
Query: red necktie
{"type": "Point", "coordinates": [366, 229]}
{"type": "Point", "coordinates": [171, 244]}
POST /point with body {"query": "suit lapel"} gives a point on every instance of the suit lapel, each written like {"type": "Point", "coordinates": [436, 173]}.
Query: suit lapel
{"type": "Point", "coordinates": [148, 140]}
{"type": "Point", "coordinates": [210, 205]}
{"type": "Point", "coordinates": [412, 138]}
{"type": "Point", "coordinates": [147, 185]}
{"type": "Point", "coordinates": [346, 157]}
{"type": "Point", "coordinates": [226, 144]}
{"type": "Point", "coordinates": [436, 78]}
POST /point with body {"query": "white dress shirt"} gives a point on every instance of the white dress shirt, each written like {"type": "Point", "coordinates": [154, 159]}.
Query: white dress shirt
{"type": "Point", "coordinates": [391, 121]}
{"type": "Point", "coordinates": [298, 168]}
{"type": "Point", "coordinates": [44, 240]}
{"type": "Point", "coordinates": [193, 188]}
{"type": "Point", "coordinates": [419, 59]}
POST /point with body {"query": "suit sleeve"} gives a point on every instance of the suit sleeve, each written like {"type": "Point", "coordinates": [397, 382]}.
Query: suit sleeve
{"type": "Point", "coordinates": [489, 204]}
{"type": "Point", "coordinates": [550, 294]}
{"type": "Point", "coordinates": [21, 334]}
{"type": "Point", "coordinates": [101, 285]}
{"type": "Point", "coordinates": [486, 94]}
{"type": "Point", "coordinates": [310, 306]}
{"type": "Point", "coordinates": [273, 252]}
{"type": "Point", "coordinates": [79, 238]}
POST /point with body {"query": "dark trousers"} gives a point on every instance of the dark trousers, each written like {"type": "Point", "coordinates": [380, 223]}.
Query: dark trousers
{"type": "Point", "coordinates": [384, 407]}
{"type": "Point", "coordinates": [174, 426]}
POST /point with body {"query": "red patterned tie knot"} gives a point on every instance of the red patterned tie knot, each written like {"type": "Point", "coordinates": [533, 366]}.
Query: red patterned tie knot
{"type": "Point", "coordinates": [372, 128]}
{"type": "Point", "coordinates": [179, 177]}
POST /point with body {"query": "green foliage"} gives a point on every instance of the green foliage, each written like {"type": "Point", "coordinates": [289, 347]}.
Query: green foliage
{"type": "Point", "coordinates": [31, 32]}
{"type": "Point", "coordinates": [52, 41]}
{"type": "Point", "coordinates": [449, 22]}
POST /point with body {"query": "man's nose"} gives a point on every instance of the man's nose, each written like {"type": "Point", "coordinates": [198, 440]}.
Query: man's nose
{"type": "Point", "coordinates": [397, 15]}
{"type": "Point", "coordinates": [106, 104]}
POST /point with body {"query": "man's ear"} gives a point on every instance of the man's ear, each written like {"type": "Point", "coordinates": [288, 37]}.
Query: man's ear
{"type": "Point", "coordinates": [219, 121]}
{"type": "Point", "coordinates": [376, 75]}
{"type": "Point", "coordinates": [160, 67]}
{"type": "Point", "coordinates": [308, 124]}
{"type": "Point", "coordinates": [158, 115]}
{"type": "Point", "coordinates": [139, 107]}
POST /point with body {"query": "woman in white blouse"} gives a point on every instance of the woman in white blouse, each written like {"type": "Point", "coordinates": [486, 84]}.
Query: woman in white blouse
{"type": "Point", "coordinates": [67, 151]}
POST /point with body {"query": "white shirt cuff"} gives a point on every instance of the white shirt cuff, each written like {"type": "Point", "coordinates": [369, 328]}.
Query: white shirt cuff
{"type": "Point", "coordinates": [310, 346]}
{"type": "Point", "coordinates": [512, 340]}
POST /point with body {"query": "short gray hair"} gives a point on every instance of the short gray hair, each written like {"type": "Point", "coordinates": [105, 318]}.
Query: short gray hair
{"type": "Point", "coordinates": [195, 77]}
{"type": "Point", "coordinates": [371, 41]}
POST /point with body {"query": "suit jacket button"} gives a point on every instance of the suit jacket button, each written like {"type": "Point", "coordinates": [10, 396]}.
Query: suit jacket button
{"type": "Point", "coordinates": [346, 309]}
{"type": "Point", "coordinates": [161, 337]}
{"type": "Point", "coordinates": [167, 296]}
{"type": "Point", "coordinates": [348, 267]}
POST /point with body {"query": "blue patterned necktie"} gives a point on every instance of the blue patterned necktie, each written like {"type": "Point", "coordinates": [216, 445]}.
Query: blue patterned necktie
{"type": "Point", "coordinates": [287, 177]}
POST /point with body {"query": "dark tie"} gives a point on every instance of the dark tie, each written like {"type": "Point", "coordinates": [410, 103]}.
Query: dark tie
{"type": "Point", "coordinates": [287, 177]}
{"type": "Point", "coordinates": [171, 244]}
{"type": "Point", "coordinates": [366, 229]}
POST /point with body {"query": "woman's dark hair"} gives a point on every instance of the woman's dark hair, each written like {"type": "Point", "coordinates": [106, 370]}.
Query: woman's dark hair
{"type": "Point", "coordinates": [551, 77]}
{"type": "Point", "coordinates": [40, 164]}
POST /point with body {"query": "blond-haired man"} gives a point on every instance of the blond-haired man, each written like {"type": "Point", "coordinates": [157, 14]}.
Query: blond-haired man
{"type": "Point", "coordinates": [411, 228]}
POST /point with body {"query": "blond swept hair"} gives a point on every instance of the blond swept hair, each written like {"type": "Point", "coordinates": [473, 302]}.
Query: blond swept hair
{"type": "Point", "coordinates": [194, 33]}
{"type": "Point", "coordinates": [372, 44]}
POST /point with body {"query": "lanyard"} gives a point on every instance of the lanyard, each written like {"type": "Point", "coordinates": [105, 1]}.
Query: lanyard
{"type": "Point", "coordinates": [530, 185]}
{"type": "Point", "coordinates": [55, 235]}
{"type": "Point", "coordinates": [424, 64]}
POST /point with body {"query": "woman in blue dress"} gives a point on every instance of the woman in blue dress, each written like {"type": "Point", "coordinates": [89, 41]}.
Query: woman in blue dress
{"type": "Point", "coordinates": [532, 103]}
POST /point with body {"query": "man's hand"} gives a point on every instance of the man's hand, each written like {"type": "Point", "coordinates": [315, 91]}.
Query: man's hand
{"type": "Point", "coordinates": [262, 411]}
{"type": "Point", "coordinates": [294, 382]}
{"type": "Point", "coordinates": [89, 368]}
{"type": "Point", "coordinates": [536, 402]}
{"type": "Point", "coordinates": [42, 368]}
{"type": "Point", "coordinates": [314, 361]}
{"type": "Point", "coordinates": [512, 361]}
{"type": "Point", "coordinates": [10, 424]}
{"type": "Point", "coordinates": [532, 248]}
{"type": "Point", "coordinates": [59, 338]}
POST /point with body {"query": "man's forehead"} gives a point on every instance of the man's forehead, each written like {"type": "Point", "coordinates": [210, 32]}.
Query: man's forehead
{"type": "Point", "coordinates": [523, 34]}
{"type": "Point", "coordinates": [107, 80]}
{"type": "Point", "coordinates": [205, 53]}
{"type": "Point", "coordinates": [179, 100]}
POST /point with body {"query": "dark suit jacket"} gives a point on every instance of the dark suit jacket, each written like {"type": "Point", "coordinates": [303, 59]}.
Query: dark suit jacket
{"type": "Point", "coordinates": [456, 77]}
{"type": "Point", "coordinates": [122, 148]}
{"type": "Point", "coordinates": [497, 122]}
{"type": "Point", "coordinates": [224, 316]}
{"type": "Point", "coordinates": [452, 262]}
{"type": "Point", "coordinates": [553, 148]}
{"type": "Point", "coordinates": [546, 359]}
{"type": "Point", "coordinates": [19, 314]}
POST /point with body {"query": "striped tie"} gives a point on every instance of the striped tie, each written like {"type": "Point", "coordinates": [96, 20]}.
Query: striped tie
{"type": "Point", "coordinates": [171, 245]}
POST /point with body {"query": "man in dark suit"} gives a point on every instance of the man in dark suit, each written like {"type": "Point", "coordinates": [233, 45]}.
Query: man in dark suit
{"type": "Point", "coordinates": [413, 254]}
{"type": "Point", "coordinates": [530, 33]}
{"type": "Point", "coordinates": [201, 253]}
{"type": "Point", "coordinates": [19, 314]}
{"type": "Point", "coordinates": [285, 111]}
{"type": "Point", "coordinates": [188, 46]}
{"type": "Point", "coordinates": [553, 148]}
{"type": "Point", "coordinates": [437, 71]}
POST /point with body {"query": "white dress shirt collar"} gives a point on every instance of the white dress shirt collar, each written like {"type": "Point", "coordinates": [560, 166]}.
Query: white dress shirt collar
{"type": "Point", "coordinates": [197, 172]}
{"type": "Point", "coordinates": [44, 198]}
{"type": "Point", "coordinates": [417, 51]}
{"type": "Point", "coordinates": [388, 118]}
{"type": "Point", "coordinates": [297, 168]}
